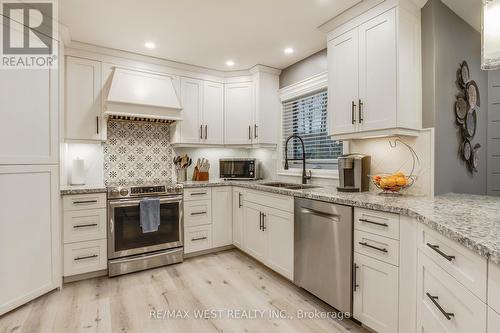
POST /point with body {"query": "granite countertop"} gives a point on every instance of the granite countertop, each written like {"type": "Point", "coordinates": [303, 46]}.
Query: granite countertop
{"type": "Point", "coordinates": [82, 189]}
{"type": "Point", "coordinates": [471, 220]}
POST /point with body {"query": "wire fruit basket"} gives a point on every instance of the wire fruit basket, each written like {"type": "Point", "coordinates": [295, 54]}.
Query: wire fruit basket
{"type": "Point", "coordinates": [395, 183]}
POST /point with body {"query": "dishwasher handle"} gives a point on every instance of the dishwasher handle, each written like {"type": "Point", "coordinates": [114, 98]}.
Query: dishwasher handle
{"type": "Point", "coordinates": [330, 216]}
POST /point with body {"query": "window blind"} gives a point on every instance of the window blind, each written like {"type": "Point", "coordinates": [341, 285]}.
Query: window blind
{"type": "Point", "coordinates": [306, 116]}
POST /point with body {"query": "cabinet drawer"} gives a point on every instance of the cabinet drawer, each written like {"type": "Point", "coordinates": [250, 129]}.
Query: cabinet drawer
{"type": "Point", "coordinates": [277, 201]}
{"type": "Point", "coordinates": [375, 222]}
{"type": "Point", "coordinates": [84, 201]}
{"type": "Point", "coordinates": [445, 305]}
{"type": "Point", "coordinates": [197, 238]}
{"type": "Point", "coordinates": [84, 225]}
{"type": "Point", "coordinates": [203, 193]}
{"type": "Point", "coordinates": [381, 248]}
{"type": "Point", "coordinates": [494, 286]}
{"type": "Point", "coordinates": [197, 212]}
{"type": "Point", "coordinates": [467, 267]}
{"type": "Point", "coordinates": [85, 257]}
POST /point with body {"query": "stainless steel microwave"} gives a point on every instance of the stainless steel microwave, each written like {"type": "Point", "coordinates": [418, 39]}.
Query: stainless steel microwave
{"type": "Point", "coordinates": [239, 168]}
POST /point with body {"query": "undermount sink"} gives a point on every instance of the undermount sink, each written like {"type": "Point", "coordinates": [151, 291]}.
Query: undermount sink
{"type": "Point", "coordinates": [290, 186]}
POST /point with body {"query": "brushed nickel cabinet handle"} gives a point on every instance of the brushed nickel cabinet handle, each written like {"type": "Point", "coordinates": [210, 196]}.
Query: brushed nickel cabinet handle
{"type": "Point", "coordinates": [249, 132]}
{"type": "Point", "coordinates": [198, 213]}
{"type": "Point", "coordinates": [198, 239]}
{"type": "Point", "coordinates": [375, 223]}
{"type": "Point", "coordinates": [355, 284]}
{"type": "Point", "coordinates": [441, 253]}
{"type": "Point", "coordinates": [360, 108]}
{"type": "Point", "coordinates": [353, 110]}
{"type": "Point", "coordinates": [198, 193]}
{"type": "Point", "coordinates": [206, 132]}
{"type": "Point", "coordinates": [86, 257]}
{"type": "Point", "coordinates": [434, 300]}
{"type": "Point", "coordinates": [84, 202]}
{"type": "Point", "coordinates": [373, 247]}
{"type": "Point", "coordinates": [255, 131]}
{"type": "Point", "coordinates": [264, 222]}
{"type": "Point", "coordinates": [84, 225]}
{"type": "Point", "coordinates": [239, 200]}
{"type": "Point", "coordinates": [201, 131]}
{"type": "Point", "coordinates": [97, 123]}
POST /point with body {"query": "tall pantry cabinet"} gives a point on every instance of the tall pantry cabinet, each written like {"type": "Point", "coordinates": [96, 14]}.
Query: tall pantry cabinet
{"type": "Point", "coordinates": [29, 185]}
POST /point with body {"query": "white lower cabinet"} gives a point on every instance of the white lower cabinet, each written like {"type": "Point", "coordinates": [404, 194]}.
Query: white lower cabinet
{"type": "Point", "coordinates": [207, 218]}
{"type": "Point", "coordinates": [279, 226]}
{"type": "Point", "coordinates": [84, 233]}
{"type": "Point", "coordinates": [222, 227]}
{"type": "Point", "coordinates": [268, 237]}
{"type": "Point", "coordinates": [238, 217]}
{"type": "Point", "coordinates": [85, 257]}
{"type": "Point", "coordinates": [198, 238]}
{"type": "Point", "coordinates": [254, 238]}
{"type": "Point", "coordinates": [444, 305]}
{"type": "Point", "coordinates": [375, 298]}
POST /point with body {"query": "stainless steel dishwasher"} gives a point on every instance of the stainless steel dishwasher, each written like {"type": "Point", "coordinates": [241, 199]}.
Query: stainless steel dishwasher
{"type": "Point", "coordinates": [323, 251]}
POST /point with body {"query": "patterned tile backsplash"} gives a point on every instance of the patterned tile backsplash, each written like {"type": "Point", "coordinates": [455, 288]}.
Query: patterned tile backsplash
{"type": "Point", "coordinates": [137, 153]}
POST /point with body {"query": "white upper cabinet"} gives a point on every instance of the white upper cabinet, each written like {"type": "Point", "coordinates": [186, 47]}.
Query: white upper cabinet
{"type": "Point", "coordinates": [83, 100]}
{"type": "Point", "coordinates": [374, 65]}
{"type": "Point", "coordinates": [239, 110]}
{"type": "Point", "coordinates": [213, 113]}
{"type": "Point", "coordinates": [191, 99]}
{"type": "Point", "coordinates": [202, 113]}
{"type": "Point", "coordinates": [267, 108]}
{"type": "Point", "coordinates": [252, 108]}
{"type": "Point", "coordinates": [378, 73]}
{"type": "Point", "coordinates": [343, 82]}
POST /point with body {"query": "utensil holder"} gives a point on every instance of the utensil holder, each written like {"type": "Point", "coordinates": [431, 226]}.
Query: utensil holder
{"type": "Point", "coordinates": [181, 175]}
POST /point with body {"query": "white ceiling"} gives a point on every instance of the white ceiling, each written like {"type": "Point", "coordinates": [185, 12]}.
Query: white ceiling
{"type": "Point", "coordinates": [468, 10]}
{"type": "Point", "coordinates": [205, 32]}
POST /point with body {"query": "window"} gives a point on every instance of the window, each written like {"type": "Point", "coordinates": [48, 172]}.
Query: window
{"type": "Point", "coordinates": [306, 117]}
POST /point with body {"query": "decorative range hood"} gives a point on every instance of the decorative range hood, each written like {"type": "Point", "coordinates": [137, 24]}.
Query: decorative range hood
{"type": "Point", "coordinates": [140, 95]}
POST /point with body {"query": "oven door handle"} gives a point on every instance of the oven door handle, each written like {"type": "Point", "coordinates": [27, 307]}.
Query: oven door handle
{"type": "Point", "coordinates": [135, 202]}
{"type": "Point", "coordinates": [111, 225]}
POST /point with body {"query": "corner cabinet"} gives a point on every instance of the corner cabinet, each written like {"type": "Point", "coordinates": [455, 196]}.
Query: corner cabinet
{"type": "Point", "coordinates": [83, 104]}
{"type": "Point", "coordinates": [374, 66]}
{"type": "Point", "coordinates": [252, 108]}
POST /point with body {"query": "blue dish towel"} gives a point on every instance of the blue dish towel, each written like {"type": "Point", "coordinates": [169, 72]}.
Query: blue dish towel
{"type": "Point", "coordinates": [149, 214]}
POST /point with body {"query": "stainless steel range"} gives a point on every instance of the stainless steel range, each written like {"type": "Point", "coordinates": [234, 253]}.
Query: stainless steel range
{"type": "Point", "coordinates": [129, 249]}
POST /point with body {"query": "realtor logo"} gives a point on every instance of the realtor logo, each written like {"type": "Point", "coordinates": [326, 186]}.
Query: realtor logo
{"type": "Point", "coordinates": [28, 34]}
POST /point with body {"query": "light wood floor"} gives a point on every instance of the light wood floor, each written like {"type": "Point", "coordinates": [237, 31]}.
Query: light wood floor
{"type": "Point", "coordinates": [224, 281]}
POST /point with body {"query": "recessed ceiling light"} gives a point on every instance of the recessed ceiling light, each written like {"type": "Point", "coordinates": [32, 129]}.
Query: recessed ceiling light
{"type": "Point", "coordinates": [150, 45]}
{"type": "Point", "coordinates": [230, 63]}
{"type": "Point", "coordinates": [288, 50]}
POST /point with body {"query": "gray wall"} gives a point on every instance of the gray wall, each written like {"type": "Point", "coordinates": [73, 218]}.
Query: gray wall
{"type": "Point", "coordinates": [447, 40]}
{"type": "Point", "coordinates": [304, 69]}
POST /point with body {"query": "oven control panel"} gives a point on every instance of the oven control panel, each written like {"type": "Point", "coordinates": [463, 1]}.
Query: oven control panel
{"type": "Point", "coordinates": [139, 191]}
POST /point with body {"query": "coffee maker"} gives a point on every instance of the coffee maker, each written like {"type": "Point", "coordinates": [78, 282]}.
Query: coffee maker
{"type": "Point", "coordinates": [353, 173]}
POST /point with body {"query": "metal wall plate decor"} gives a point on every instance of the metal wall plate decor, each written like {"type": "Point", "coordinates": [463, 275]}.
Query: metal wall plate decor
{"type": "Point", "coordinates": [466, 110]}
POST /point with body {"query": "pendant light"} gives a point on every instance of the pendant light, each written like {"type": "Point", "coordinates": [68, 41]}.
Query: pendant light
{"type": "Point", "coordinates": [490, 35]}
